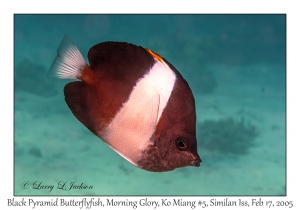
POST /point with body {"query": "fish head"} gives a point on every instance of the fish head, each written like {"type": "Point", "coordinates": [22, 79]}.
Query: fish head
{"type": "Point", "coordinates": [177, 147]}
{"type": "Point", "coordinates": [175, 136]}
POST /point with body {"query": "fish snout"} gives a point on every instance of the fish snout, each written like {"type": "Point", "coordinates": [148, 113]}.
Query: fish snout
{"type": "Point", "coordinates": [196, 161]}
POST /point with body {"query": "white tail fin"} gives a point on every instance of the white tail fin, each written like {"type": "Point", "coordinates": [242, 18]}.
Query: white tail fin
{"type": "Point", "coordinates": [69, 62]}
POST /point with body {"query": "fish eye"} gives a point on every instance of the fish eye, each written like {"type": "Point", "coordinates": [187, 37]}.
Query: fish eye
{"type": "Point", "coordinates": [181, 143]}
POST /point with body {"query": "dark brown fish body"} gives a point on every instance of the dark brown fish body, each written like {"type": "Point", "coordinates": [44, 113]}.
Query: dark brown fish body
{"type": "Point", "coordinates": [134, 100]}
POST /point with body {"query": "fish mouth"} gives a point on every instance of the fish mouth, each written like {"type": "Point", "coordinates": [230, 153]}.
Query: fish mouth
{"type": "Point", "coordinates": [196, 161]}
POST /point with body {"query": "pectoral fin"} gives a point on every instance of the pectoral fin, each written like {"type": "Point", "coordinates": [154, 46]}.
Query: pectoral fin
{"type": "Point", "coordinates": [132, 129]}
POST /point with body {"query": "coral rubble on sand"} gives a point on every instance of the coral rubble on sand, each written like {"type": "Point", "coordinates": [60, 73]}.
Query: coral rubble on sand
{"type": "Point", "coordinates": [226, 136]}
